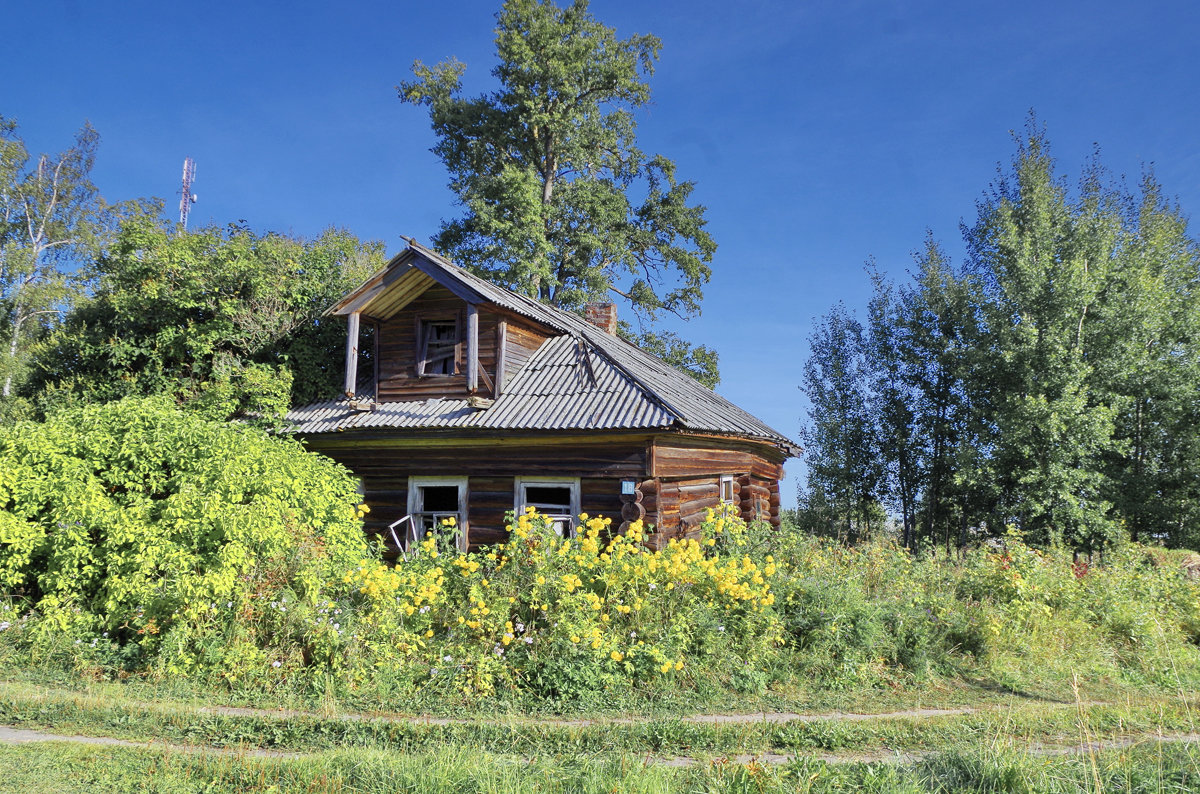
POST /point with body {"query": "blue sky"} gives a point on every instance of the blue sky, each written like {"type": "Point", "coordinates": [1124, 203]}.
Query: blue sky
{"type": "Point", "coordinates": [819, 133]}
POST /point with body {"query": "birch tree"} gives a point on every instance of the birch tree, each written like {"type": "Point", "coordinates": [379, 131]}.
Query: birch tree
{"type": "Point", "coordinates": [52, 217]}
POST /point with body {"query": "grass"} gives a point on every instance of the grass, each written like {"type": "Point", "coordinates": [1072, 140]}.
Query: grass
{"type": "Point", "coordinates": [102, 715]}
{"type": "Point", "coordinates": [31, 769]}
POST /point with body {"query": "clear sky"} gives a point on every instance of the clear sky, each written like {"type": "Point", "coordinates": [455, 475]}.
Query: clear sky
{"type": "Point", "coordinates": [819, 133]}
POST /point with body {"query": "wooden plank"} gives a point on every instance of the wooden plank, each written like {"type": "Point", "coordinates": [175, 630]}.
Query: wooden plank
{"type": "Point", "coordinates": [684, 456]}
{"type": "Point", "coordinates": [695, 490]}
{"type": "Point", "coordinates": [472, 348]}
{"type": "Point", "coordinates": [352, 353]}
{"type": "Point", "coordinates": [501, 344]}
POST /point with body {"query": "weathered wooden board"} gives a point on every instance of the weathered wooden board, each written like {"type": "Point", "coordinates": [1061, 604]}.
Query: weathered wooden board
{"type": "Point", "coordinates": [689, 456]}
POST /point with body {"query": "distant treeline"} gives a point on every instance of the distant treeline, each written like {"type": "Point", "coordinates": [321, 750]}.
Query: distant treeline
{"type": "Point", "coordinates": [1050, 382]}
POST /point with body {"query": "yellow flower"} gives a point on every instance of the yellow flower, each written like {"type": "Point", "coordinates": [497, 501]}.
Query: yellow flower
{"type": "Point", "coordinates": [575, 638]}
{"type": "Point", "coordinates": [616, 656]}
{"type": "Point", "coordinates": [679, 665]}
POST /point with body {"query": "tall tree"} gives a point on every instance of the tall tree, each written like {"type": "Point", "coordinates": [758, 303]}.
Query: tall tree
{"type": "Point", "coordinates": [225, 320]}
{"type": "Point", "coordinates": [842, 449]}
{"type": "Point", "coordinates": [1147, 329]}
{"type": "Point", "coordinates": [1045, 262]}
{"type": "Point", "coordinates": [52, 218]}
{"type": "Point", "coordinates": [560, 203]}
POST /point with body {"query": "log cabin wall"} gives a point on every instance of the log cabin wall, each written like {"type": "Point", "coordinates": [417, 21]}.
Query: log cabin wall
{"type": "Point", "coordinates": [678, 477]}
{"type": "Point", "coordinates": [491, 467]}
{"type": "Point", "coordinates": [687, 474]}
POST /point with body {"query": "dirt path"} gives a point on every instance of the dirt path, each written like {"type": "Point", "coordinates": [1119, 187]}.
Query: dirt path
{"type": "Point", "coordinates": [9, 735]}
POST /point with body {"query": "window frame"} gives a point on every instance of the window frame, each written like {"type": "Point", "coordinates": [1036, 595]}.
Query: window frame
{"type": "Point", "coordinates": [423, 325]}
{"type": "Point", "coordinates": [521, 483]}
{"type": "Point", "coordinates": [726, 479]}
{"type": "Point", "coordinates": [416, 505]}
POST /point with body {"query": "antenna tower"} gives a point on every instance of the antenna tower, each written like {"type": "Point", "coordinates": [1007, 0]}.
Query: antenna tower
{"type": "Point", "coordinates": [186, 197]}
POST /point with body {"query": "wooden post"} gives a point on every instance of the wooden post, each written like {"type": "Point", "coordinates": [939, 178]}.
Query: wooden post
{"type": "Point", "coordinates": [501, 350]}
{"type": "Point", "coordinates": [376, 326]}
{"type": "Point", "coordinates": [351, 354]}
{"type": "Point", "coordinates": [472, 348]}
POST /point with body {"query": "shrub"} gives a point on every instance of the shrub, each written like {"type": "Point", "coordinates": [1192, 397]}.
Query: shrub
{"type": "Point", "coordinates": [133, 525]}
{"type": "Point", "coordinates": [569, 620]}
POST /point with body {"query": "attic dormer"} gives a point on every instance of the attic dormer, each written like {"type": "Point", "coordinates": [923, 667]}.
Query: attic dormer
{"type": "Point", "coordinates": [432, 337]}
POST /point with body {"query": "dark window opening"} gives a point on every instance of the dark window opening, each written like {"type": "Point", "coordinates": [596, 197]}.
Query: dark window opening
{"type": "Point", "coordinates": [439, 498]}
{"type": "Point", "coordinates": [438, 347]}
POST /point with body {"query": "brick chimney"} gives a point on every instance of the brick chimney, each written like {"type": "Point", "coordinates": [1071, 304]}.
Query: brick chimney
{"type": "Point", "coordinates": [602, 315]}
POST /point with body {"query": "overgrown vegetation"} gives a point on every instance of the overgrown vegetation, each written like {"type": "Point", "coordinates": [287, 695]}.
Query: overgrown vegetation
{"type": "Point", "coordinates": [225, 321]}
{"type": "Point", "coordinates": [138, 541]}
{"type": "Point", "coordinates": [160, 538]}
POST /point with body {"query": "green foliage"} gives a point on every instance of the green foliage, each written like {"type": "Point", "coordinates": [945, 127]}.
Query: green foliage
{"type": "Point", "coordinates": [52, 219]}
{"type": "Point", "coordinates": [224, 320]}
{"type": "Point", "coordinates": [130, 546]}
{"type": "Point", "coordinates": [560, 203]}
{"type": "Point", "coordinates": [159, 536]}
{"type": "Point", "coordinates": [844, 464]}
{"type": "Point", "coordinates": [1046, 383]}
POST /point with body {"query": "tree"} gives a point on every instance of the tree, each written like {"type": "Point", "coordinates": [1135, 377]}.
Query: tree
{"type": "Point", "coordinates": [845, 472]}
{"type": "Point", "coordinates": [1148, 329]}
{"type": "Point", "coordinates": [226, 320]}
{"type": "Point", "coordinates": [1044, 264]}
{"type": "Point", "coordinates": [560, 203]}
{"type": "Point", "coordinates": [51, 219]}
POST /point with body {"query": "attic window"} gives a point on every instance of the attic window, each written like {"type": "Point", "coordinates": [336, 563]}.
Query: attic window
{"type": "Point", "coordinates": [437, 345]}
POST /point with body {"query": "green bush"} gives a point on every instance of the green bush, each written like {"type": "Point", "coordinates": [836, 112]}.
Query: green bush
{"type": "Point", "coordinates": [138, 530]}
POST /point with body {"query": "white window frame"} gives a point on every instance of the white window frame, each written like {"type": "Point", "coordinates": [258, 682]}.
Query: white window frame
{"type": "Point", "coordinates": [521, 483]}
{"type": "Point", "coordinates": [726, 479]}
{"type": "Point", "coordinates": [415, 484]}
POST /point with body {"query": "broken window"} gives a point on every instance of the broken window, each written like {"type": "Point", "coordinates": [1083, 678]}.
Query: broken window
{"type": "Point", "coordinates": [557, 499]}
{"type": "Point", "coordinates": [437, 347]}
{"type": "Point", "coordinates": [435, 502]}
{"type": "Point", "coordinates": [727, 489]}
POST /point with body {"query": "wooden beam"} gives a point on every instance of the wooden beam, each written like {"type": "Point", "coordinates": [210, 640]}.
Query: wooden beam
{"type": "Point", "coordinates": [472, 348]}
{"type": "Point", "coordinates": [501, 351]}
{"type": "Point", "coordinates": [351, 353]}
{"type": "Point", "coordinates": [378, 329]}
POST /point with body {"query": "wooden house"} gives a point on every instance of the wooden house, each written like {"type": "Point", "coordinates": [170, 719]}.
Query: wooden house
{"type": "Point", "coordinates": [482, 401]}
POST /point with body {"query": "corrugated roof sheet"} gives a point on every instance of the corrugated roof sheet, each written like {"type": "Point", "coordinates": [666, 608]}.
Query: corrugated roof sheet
{"type": "Point", "coordinates": [587, 379]}
{"type": "Point", "coordinates": [555, 390]}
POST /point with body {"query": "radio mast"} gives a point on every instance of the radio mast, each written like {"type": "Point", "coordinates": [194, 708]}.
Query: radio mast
{"type": "Point", "coordinates": [186, 197]}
